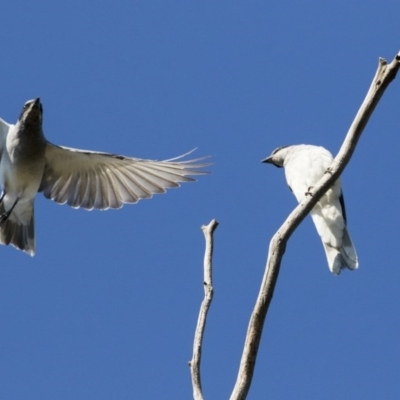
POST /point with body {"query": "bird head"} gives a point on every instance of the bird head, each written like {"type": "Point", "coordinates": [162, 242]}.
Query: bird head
{"type": "Point", "coordinates": [32, 113]}
{"type": "Point", "coordinates": [277, 157]}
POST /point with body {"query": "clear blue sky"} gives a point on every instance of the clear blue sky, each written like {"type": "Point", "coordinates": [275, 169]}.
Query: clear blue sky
{"type": "Point", "coordinates": [108, 306]}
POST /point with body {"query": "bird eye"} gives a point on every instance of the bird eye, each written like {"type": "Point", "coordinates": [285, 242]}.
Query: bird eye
{"type": "Point", "coordinates": [26, 105]}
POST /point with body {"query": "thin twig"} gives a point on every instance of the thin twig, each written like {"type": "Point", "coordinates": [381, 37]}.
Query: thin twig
{"type": "Point", "coordinates": [194, 364]}
{"type": "Point", "coordinates": [384, 75]}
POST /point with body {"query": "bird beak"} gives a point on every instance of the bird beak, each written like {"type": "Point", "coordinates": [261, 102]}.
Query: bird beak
{"type": "Point", "coordinates": [37, 101]}
{"type": "Point", "coordinates": [267, 160]}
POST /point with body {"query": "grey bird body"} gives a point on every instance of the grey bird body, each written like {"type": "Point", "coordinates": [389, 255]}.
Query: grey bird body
{"type": "Point", "coordinates": [80, 178]}
{"type": "Point", "coordinates": [304, 166]}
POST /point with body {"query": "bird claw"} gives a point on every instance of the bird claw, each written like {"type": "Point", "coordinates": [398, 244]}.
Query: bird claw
{"type": "Point", "coordinates": [4, 217]}
{"type": "Point", "coordinates": [308, 193]}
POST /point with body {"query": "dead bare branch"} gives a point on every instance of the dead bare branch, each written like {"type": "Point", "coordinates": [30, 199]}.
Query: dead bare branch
{"type": "Point", "coordinates": [194, 364]}
{"type": "Point", "coordinates": [384, 75]}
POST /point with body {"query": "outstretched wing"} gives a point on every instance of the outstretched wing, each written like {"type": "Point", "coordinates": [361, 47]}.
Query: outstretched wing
{"type": "Point", "coordinates": [90, 179]}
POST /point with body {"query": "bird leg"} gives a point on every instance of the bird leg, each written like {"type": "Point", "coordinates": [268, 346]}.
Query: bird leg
{"type": "Point", "coordinates": [4, 216]}
{"type": "Point", "coordinates": [3, 193]}
{"type": "Point", "coordinates": [308, 193]}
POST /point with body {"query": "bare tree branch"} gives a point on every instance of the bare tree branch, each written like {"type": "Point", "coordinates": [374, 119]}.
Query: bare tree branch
{"type": "Point", "coordinates": [205, 305]}
{"type": "Point", "coordinates": [384, 75]}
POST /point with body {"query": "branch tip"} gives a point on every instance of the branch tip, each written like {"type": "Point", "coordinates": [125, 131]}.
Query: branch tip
{"type": "Point", "coordinates": [205, 305]}
{"type": "Point", "coordinates": [211, 227]}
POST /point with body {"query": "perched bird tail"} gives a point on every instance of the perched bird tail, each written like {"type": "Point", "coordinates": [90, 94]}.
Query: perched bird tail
{"type": "Point", "coordinates": [19, 235]}
{"type": "Point", "coordinates": [343, 257]}
{"type": "Point", "coordinates": [348, 251]}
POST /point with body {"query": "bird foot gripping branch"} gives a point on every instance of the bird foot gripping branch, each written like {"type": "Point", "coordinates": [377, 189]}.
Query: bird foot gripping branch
{"type": "Point", "coordinates": [308, 193]}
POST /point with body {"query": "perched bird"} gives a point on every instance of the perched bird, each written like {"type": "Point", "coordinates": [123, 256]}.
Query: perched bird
{"type": "Point", "coordinates": [80, 178]}
{"type": "Point", "coordinates": [304, 166]}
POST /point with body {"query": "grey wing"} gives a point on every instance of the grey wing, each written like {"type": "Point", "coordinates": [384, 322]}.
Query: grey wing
{"type": "Point", "coordinates": [341, 200]}
{"type": "Point", "coordinates": [4, 128]}
{"type": "Point", "coordinates": [101, 180]}
{"type": "Point", "coordinates": [347, 250]}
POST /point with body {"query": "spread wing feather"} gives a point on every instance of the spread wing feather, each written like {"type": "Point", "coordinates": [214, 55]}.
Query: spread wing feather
{"type": "Point", "coordinates": [90, 179]}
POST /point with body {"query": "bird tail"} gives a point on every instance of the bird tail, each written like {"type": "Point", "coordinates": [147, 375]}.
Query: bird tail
{"type": "Point", "coordinates": [343, 257]}
{"type": "Point", "coordinates": [19, 235]}
{"type": "Point", "coordinates": [348, 251]}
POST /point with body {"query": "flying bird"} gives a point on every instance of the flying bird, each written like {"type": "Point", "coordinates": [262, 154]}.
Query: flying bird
{"type": "Point", "coordinates": [304, 166]}
{"type": "Point", "coordinates": [30, 164]}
